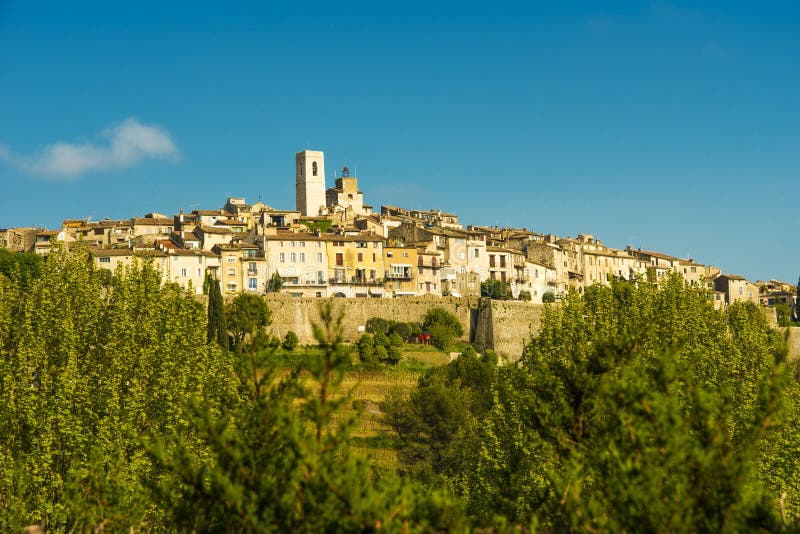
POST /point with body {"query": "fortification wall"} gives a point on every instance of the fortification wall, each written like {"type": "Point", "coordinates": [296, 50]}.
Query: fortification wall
{"type": "Point", "coordinates": [297, 314]}
{"type": "Point", "coordinates": [794, 343]}
{"type": "Point", "coordinates": [513, 324]}
{"type": "Point", "coordinates": [504, 326]}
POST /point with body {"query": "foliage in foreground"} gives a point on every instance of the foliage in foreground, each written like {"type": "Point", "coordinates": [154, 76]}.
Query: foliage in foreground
{"type": "Point", "coordinates": [86, 373]}
{"type": "Point", "coordinates": [633, 409]}
{"type": "Point", "coordinates": [118, 414]}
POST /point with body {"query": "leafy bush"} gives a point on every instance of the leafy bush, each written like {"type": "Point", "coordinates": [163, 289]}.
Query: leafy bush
{"type": "Point", "coordinates": [395, 340]}
{"type": "Point", "coordinates": [443, 327]}
{"type": "Point", "coordinates": [525, 295]}
{"type": "Point", "coordinates": [403, 330]}
{"type": "Point", "coordinates": [495, 289]}
{"type": "Point", "coordinates": [377, 325]}
{"type": "Point", "coordinates": [246, 315]}
{"type": "Point", "coordinates": [290, 341]}
{"type": "Point", "coordinates": [366, 349]}
{"type": "Point", "coordinates": [549, 297]}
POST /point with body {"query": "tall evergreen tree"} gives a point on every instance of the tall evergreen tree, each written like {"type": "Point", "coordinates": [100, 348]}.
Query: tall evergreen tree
{"type": "Point", "coordinates": [217, 329]}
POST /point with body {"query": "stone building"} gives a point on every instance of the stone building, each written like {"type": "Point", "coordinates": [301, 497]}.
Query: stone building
{"type": "Point", "coordinates": [345, 199]}
{"type": "Point", "coordinates": [310, 182]}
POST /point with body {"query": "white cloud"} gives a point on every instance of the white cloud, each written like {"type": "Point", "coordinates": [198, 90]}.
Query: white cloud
{"type": "Point", "coordinates": [127, 143]}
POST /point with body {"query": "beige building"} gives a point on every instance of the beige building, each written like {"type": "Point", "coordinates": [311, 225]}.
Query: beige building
{"type": "Point", "coordinates": [213, 236]}
{"type": "Point", "coordinates": [112, 259]}
{"type": "Point", "coordinates": [310, 182]}
{"type": "Point", "coordinates": [345, 199]}
{"type": "Point", "coordinates": [148, 229]}
{"type": "Point", "coordinates": [429, 272]}
{"type": "Point", "coordinates": [540, 279]}
{"type": "Point", "coordinates": [736, 289]}
{"type": "Point", "coordinates": [45, 239]}
{"type": "Point", "coordinates": [301, 260]}
{"type": "Point", "coordinates": [188, 268]}
{"type": "Point", "coordinates": [18, 239]}
{"type": "Point", "coordinates": [242, 268]}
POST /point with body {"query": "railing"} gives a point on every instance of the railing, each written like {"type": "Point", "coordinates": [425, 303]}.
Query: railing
{"type": "Point", "coordinates": [356, 281]}
{"type": "Point", "coordinates": [398, 276]}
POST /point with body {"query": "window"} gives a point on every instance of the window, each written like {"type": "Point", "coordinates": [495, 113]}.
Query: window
{"type": "Point", "coordinates": [301, 244]}
{"type": "Point", "coordinates": [104, 260]}
{"type": "Point", "coordinates": [282, 257]}
{"type": "Point", "coordinates": [302, 257]}
{"type": "Point", "coordinates": [502, 261]}
{"type": "Point", "coordinates": [293, 257]}
{"type": "Point", "coordinates": [360, 257]}
{"type": "Point", "coordinates": [198, 271]}
{"type": "Point", "coordinates": [313, 168]}
{"type": "Point", "coordinates": [373, 258]}
{"type": "Point", "coordinates": [291, 244]}
{"type": "Point", "coordinates": [252, 267]}
{"type": "Point", "coordinates": [252, 283]}
{"type": "Point", "coordinates": [339, 258]}
{"type": "Point", "coordinates": [230, 259]}
{"type": "Point", "coordinates": [405, 254]}
{"type": "Point", "coordinates": [477, 253]}
{"type": "Point", "coordinates": [231, 271]}
{"type": "Point", "coordinates": [199, 260]}
{"type": "Point", "coordinates": [319, 257]}
{"type": "Point", "coordinates": [183, 272]}
{"type": "Point", "coordinates": [389, 254]}
{"type": "Point", "coordinates": [491, 260]}
{"type": "Point", "coordinates": [231, 287]}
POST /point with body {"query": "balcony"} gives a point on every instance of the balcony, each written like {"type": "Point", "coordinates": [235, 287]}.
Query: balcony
{"type": "Point", "coordinates": [353, 281]}
{"type": "Point", "coordinates": [405, 275]}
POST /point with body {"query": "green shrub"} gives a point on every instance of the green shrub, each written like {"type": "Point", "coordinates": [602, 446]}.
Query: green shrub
{"type": "Point", "coordinates": [290, 341]}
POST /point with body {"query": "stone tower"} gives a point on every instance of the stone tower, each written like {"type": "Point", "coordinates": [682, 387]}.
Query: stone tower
{"type": "Point", "coordinates": [310, 182]}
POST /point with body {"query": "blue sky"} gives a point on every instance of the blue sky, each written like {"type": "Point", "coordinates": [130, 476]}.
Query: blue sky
{"type": "Point", "coordinates": [674, 126]}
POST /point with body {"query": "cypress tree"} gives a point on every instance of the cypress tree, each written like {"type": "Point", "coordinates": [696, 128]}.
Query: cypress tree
{"type": "Point", "coordinates": [219, 317]}
{"type": "Point", "coordinates": [217, 329]}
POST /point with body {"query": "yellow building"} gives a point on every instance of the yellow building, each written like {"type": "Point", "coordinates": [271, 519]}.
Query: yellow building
{"type": "Point", "coordinates": [400, 265]}
{"type": "Point", "coordinates": [356, 267]}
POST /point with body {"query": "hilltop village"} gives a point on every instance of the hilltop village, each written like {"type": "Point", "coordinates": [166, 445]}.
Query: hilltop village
{"type": "Point", "coordinates": [334, 244]}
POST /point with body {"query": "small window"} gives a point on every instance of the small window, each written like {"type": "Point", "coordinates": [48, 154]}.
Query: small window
{"type": "Point", "coordinates": [282, 257]}
{"type": "Point", "coordinates": [104, 260]}
{"type": "Point", "coordinates": [313, 168]}
{"type": "Point", "coordinates": [302, 257]}
{"type": "Point", "coordinates": [252, 283]}
{"type": "Point", "coordinates": [183, 272]}
{"type": "Point", "coordinates": [231, 271]}
{"type": "Point", "coordinates": [319, 257]}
